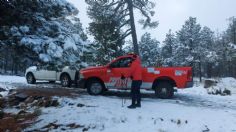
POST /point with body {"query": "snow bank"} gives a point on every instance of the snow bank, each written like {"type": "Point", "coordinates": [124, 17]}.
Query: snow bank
{"type": "Point", "coordinates": [228, 83]}
{"type": "Point", "coordinates": [6, 81]}
{"type": "Point", "coordinates": [223, 86]}
{"type": "Point", "coordinates": [12, 79]}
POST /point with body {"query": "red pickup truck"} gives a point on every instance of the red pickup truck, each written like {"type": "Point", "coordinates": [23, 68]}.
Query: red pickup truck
{"type": "Point", "coordinates": [161, 80]}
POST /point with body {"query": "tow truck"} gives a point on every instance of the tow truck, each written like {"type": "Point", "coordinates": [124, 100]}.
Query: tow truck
{"type": "Point", "coordinates": [162, 80]}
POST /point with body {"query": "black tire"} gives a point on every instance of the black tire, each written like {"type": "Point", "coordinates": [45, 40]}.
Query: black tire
{"type": "Point", "coordinates": [30, 78]}
{"type": "Point", "coordinates": [95, 87]}
{"type": "Point", "coordinates": [76, 79]}
{"type": "Point", "coordinates": [164, 90]}
{"type": "Point", "coordinates": [65, 80]}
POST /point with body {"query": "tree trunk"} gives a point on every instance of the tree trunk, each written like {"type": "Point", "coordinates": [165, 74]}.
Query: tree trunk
{"type": "Point", "coordinates": [209, 70]}
{"type": "Point", "coordinates": [229, 69]}
{"type": "Point", "coordinates": [200, 69]}
{"type": "Point", "coordinates": [133, 29]}
{"type": "Point", "coordinates": [15, 63]}
{"type": "Point", "coordinates": [234, 68]}
{"type": "Point", "coordinates": [5, 63]}
{"type": "Point", "coordinates": [234, 31]}
{"type": "Point", "coordinates": [12, 68]}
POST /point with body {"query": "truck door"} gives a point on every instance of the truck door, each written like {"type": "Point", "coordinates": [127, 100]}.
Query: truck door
{"type": "Point", "coordinates": [118, 69]}
{"type": "Point", "coordinates": [39, 73]}
{"type": "Point", "coordinates": [51, 73]}
{"type": "Point", "coordinates": [45, 73]}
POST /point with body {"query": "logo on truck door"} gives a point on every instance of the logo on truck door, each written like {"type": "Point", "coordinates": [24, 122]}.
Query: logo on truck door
{"type": "Point", "coordinates": [180, 72]}
{"type": "Point", "coordinates": [115, 82]}
{"type": "Point", "coordinates": [152, 70]}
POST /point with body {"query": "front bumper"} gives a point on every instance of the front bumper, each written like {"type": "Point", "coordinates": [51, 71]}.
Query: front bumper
{"type": "Point", "coordinates": [81, 83]}
{"type": "Point", "coordinates": [189, 84]}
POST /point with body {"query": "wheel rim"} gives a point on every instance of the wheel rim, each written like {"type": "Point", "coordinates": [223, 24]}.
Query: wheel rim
{"type": "Point", "coordinates": [164, 91]}
{"type": "Point", "coordinates": [30, 78]}
{"type": "Point", "coordinates": [96, 88]}
{"type": "Point", "coordinates": [65, 81]}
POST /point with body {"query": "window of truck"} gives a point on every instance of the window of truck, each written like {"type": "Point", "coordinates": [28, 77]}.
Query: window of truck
{"type": "Point", "coordinates": [122, 63]}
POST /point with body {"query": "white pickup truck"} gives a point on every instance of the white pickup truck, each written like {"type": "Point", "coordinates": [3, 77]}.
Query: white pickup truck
{"type": "Point", "coordinates": [66, 75]}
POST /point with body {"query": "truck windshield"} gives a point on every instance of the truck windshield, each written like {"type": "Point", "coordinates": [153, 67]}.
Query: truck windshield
{"type": "Point", "coordinates": [121, 63]}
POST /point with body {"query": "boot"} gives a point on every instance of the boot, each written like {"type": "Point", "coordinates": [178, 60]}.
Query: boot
{"type": "Point", "coordinates": [138, 105]}
{"type": "Point", "coordinates": [132, 106]}
{"type": "Point", "coordinates": [138, 102]}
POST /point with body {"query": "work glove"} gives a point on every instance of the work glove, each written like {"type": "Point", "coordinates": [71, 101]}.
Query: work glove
{"type": "Point", "coordinates": [122, 77]}
{"type": "Point", "coordinates": [131, 77]}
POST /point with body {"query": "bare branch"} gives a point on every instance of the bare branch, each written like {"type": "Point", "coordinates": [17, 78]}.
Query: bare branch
{"type": "Point", "coordinates": [125, 23]}
{"type": "Point", "coordinates": [122, 17]}
{"type": "Point", "coordinates": [119, 6]}
{"type": "Point", "coordinates": [127, 31]}
{"type": "Point", "coordinates": [144, 13]}
{"type": "Point", "coordinates": [126, 35]}
{"type": "Point", "coordinates": [141, 2]}
{"type": "Point", "coordinates": [113, 3]}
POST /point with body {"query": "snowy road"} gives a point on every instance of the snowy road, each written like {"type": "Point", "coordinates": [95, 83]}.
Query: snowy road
{"type": "Point", "coordinates": [190, 110]}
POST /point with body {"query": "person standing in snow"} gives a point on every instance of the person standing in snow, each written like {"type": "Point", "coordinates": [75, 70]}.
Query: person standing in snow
{"type": "Point", "coordinates": [136, 76]}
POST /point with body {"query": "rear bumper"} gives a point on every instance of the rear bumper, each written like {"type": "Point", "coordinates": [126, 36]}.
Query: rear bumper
{"type": "Point", "coordinates": [81, 83]}
{"type": "Point", "coordinates": [189, 84]}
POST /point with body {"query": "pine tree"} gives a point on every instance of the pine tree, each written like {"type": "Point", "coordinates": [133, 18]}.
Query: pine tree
{"type": "Point", "coordinates": [46, 31]}
{"type": "Point", "coordinates": [231, 31]}
{"type": "Point", "coordinates": [189, 38]}
{"type": "Point", "coordinates": [168, 49]}
{"type": "Point", "coordinates": [124, 9]}
{"type": "Point", "coordinates": [105, 30]}
{"type": "Point", "coordinates": [207, 51]}
{"type": "Point", "coordinates": [150, 51]}
{"type": "Point", "coordinates": [228, 49]}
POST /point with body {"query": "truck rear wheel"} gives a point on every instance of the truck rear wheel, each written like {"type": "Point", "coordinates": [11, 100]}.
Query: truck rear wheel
{"type": "Point", "coordinates": [65, 80]}
{"type": "Point", "coordinates": [164, 90]}
{"type": "Point", "coordinates": [95, 87]}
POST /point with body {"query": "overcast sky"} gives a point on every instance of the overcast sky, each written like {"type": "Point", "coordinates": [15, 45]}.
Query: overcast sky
{"type": "Point", "coordinates": [172, 14]}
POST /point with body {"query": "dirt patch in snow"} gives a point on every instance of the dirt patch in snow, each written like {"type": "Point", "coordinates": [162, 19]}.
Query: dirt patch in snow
{"type": "Point", "coordinates": [48, 92]}
{"type": "Point", "coordinates": [62, 127]}
{"type": "Point", "coordinates": [27, 103]}
{"type": "Point", "coordinates": [17, 122]}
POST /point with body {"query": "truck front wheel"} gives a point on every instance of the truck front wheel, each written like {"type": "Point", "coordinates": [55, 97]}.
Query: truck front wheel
{"type": "Point", "coordinates": [30, 78]}
{"type": "Point", "coordinates": [95, 87]}
{"type": "Point", "coordinates": [164, 90]}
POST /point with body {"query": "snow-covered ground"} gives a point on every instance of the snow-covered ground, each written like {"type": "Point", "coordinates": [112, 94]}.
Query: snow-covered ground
{"type": "Point", "coordinates": [12, 82]}
{"type": "Point", "coordinates": [12, 79]}
{"type": "Point", "coordinates": [7, 81]}
{"type": "Point", "coordinates": [191, 109]}
{"type": "Point", "coordinates": [228, 83]}
{"type": "Point", "coordinates": [107, 114]}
